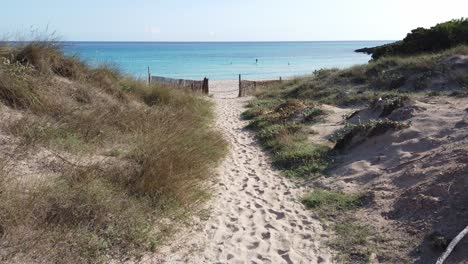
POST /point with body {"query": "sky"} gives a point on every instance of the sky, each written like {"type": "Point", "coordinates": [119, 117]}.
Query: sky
{"type": "Point", "coordinates": [225, 20]}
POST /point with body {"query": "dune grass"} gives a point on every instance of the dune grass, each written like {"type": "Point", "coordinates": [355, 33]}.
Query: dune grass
{"type": "Point", "coordinates": [127, 156]}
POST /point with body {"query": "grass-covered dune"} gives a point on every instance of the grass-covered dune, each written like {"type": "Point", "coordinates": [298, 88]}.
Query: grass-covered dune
{"type": "Point", "coordinates": [421, 40]}
{"type": "Point", "coordinates": [95, 165]}
{"type": "Point", "coordinates": [282, 114]}
{"type": "Point", "coordinates": [380, 144]}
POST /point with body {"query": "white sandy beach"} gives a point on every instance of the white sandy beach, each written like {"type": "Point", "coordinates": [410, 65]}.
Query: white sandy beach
{"type": "Point", "coordinates": [255, 216]}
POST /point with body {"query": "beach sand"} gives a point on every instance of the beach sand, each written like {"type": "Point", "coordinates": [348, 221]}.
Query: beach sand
{"type": "Point", "coordinates": [255, 215]}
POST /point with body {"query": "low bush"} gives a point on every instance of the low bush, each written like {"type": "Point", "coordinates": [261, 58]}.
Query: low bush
{"type": "Point", "coordinates": [352, 134]}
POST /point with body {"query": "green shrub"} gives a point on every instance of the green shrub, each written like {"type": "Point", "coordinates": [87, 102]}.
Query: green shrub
{"type": "Point", "coordinates": [345, 136]}
{"type": "Point", "coordinates": [437, 38]}
{"type": "Point", "coordinates": [270, 132]}
{"type": "Point", "coordinates": [313, 114]}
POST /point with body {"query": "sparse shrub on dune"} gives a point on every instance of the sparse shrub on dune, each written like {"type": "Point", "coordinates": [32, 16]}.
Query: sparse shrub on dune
{"type": "Point", "coordinates": [331, 202]}
{"type": "Point", "coordinates": [280, 126]}
{"type": "Point", "coordinates": [351, 135]}
{"type": "Point", "coordinates": [362, 84]}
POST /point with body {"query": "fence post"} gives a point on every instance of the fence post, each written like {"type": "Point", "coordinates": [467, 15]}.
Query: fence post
{"type": "Point", "coordinates": [149, 76]}
{"type": "Point", "coordinates": [240, 86]}
{"type": "Point", "coordinates": [281, 79]}
{"type": "Point", "coordinates": [255, 87]}
{"type": "Point", "coordinates": [205, 86]}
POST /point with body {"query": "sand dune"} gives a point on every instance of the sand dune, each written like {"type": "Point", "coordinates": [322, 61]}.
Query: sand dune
{"type": "Point", "coordinates": [255, 216]}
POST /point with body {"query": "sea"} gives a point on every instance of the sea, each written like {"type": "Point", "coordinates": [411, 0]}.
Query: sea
{"type": "Point", "coordinates": [221, 60]}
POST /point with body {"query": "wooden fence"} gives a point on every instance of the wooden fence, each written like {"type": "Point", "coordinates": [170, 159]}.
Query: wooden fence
{"type": "Point", "coordinates": [247, 88]}
{"type": "Point", "coordinates": [196, 86]}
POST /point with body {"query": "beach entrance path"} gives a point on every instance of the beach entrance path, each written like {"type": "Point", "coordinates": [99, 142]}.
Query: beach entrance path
{"type": "Point", "coordinates": [255, 215]}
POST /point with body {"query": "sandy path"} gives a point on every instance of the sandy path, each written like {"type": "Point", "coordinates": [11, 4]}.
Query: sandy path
{"type": "Point", "coordinates": [255, 215]}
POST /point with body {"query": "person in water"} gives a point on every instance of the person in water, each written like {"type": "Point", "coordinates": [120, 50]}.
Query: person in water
{"type": "Point", "coordinates": [256, 61]}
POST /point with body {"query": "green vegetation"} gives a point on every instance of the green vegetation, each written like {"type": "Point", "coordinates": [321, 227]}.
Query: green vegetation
{"type": "Point", "coordinates": [357, 133]}
{"type": "Point", "coordinates": [435, 39]}
{"type": "Point", "coordinates": [114, 159]}
{"type": "Point", "coordinates": [363, 84]}
{"type": "Point", "coordinates": [282, 113]}
{"type": "Point", "coordinates": [353, 241]}
{"type": "Point", "coordinates": [332, 201]}
{"type": "Point", "coordinates": [281, 127]}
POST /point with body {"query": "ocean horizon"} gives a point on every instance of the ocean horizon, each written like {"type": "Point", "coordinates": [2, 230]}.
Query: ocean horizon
{"type": "Point", "coordinates": [221, 60]}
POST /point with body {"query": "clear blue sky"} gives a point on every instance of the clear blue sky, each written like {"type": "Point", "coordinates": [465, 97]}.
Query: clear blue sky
{"type": "Point", "coordinates": [227, 20]}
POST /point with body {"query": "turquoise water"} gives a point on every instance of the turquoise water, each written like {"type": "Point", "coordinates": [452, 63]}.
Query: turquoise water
{"type": "Point", "coordinates": [221, 61]}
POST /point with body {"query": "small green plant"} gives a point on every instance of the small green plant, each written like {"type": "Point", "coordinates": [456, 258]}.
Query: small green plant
{"type": "Point", "coordinates": [259, 107]}
{"type": "Point", "coordinates": [332, 201]}
{"type": "Point", "coordinates": [285, 137]}
{"type": "Point", "coordinates": [353, 234]}
{"type": "Point", "coordinates": [353, 134]}
{"type": "Point", "coordinates": [313, 114]}
{"type": "Point", "coordinates": [391, 102]}
{"type": "Point", "coordinates": [352, 242]}
{"type": "Point", "coordinates": [302, 159]}
{"type": "Point", "coordinates": [272, 131]}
